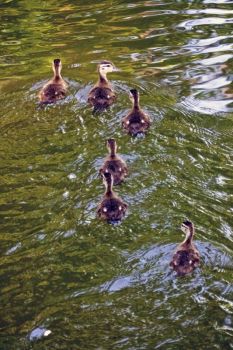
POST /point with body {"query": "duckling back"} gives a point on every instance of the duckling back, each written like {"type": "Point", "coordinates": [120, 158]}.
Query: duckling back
{"type": "Point", "coordinates": [112, 209]}
{"type": "Point", "coordinates": [185, 261]}
{"type": "Point", "coordinates": [136, 123]}
{"type": "Point", "coordinates": [52, 92]}
{"type": "Point", "coordinates": [101, 97]}
{"type": "Point", "coordinates": [117, 168]}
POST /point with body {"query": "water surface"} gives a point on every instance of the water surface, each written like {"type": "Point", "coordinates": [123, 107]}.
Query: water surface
{"type": "Point", "coordinates": [93, 285]}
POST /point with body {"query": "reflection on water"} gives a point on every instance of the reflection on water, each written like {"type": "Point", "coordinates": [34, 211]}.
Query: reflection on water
{"type": "Point", "coordinates": [188, 25]}
{"type": "Point", "coordinates": [67, 279]}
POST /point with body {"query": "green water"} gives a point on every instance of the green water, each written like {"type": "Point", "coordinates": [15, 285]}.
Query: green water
{"type": "Point", "coordinates": [93, 285]}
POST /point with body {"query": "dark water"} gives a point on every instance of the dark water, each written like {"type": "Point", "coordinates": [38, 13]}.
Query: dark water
{"type": "Point", "coordinates": [93, 285]}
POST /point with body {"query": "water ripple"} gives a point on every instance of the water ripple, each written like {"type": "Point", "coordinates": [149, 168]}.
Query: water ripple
{"type": "Point", "coordinates": [208, 106]}
{"type": "Point", "coordinates": [189, 24]}
{"type": "Point", "coordinates": [149, 265]}
{"type": "Point", "coordinates": [215, 60]}
{"type": "Point", "coordinates": [208, 41]}
{"type": "Point", "coordinates": [213, 83]}
{"type": "Point", "coordinates": [179, 56]}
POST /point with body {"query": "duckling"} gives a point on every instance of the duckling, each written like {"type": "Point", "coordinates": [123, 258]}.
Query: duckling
{"type": "Point", "coordinates": [55, 89]}
{"type": "Point", "coordinates": [186, 257]}
{"type": "Point", "coordinates": [136, 121]}
{"type": "Point", "coordinates": [114, 164]}
{"type": "Point", "coordinates": [111, 208]}
{"type": "Point", "coordinates": [102, 95]}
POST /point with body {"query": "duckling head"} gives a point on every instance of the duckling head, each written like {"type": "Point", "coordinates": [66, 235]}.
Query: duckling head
{"type": "Point", "coordinates": [106, 67]}
{"type": "Point", "coordinates": [56, 65]}
{"type": "Point", "coordinates": [112, 146]}
{"type": "Point", "coordinates": [187, 227]}
{"type": "Point", "coordinates": [134, 93]}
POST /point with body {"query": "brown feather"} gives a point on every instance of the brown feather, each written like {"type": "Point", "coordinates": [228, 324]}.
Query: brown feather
{"type": "Point", "coordinates": [102, 96]}
{"type": "Point", "coordinates": [136, 121]}
{"type": "Point", "coordinates": [114, 164]}
{"type": "Point", "coordinates": [56, 88]}
{"type": "Point", "coordinates": [111, 208]}
{"type": "Point", "coordinates": [186, 257]}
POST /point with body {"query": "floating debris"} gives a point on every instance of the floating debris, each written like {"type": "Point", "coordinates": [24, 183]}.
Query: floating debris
{"type": "Point", "coordinates": [39, 333]}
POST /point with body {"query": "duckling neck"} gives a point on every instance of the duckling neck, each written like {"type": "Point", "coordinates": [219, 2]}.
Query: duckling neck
{"type": "Point", "coordinates": [189, 237]}
{"type": "Point", "coordinates": [113, 151]}
{"type": "Point", "coordinates": [57, 74]}
{"type": "Point", "coordinates": [108, 191]}
{"type": "Point", "coordinates": [103, 78]}
{"type": "Point", "coordinates": [136, 103]}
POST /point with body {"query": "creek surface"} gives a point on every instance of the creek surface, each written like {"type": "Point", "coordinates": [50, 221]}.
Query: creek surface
{"type": "Point", "coordinates": [69, 280]}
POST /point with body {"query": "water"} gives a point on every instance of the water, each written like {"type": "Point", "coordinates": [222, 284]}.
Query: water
{"type": "Point", "coordinates": [93, 285]}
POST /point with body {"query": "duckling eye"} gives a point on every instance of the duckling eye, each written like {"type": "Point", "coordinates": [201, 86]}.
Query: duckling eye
{"type": "Point", "coordinates": [108, 65]}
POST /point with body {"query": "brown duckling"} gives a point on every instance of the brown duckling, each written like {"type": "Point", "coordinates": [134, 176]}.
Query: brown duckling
{"type": "Point", "coordinates": [102, 95]}
{"type": "Point", "coordinates": [186, 257]}
{"type": "Point", "coordinates": [111, 208]}
{"type": "Point", "coordinates": [137, 121]}
{"type": "Point", "coordinates": [55, 89]}
{"type": "Point", "coordinates": [114, 164]}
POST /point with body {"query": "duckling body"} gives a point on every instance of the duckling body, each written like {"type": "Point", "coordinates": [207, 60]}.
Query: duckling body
{"type": "Point", "coordinates": [186, 257]}
{"type": "Point", "coordinates": [102, 96]}
{"type": "Point", "coordinates": [137, 121]}
{"type": "Point", "coordinates": [56, 88]}
{"type": "Point", "coordinates": [114, 164]}
{"type": "Point", "coordinates": [111, 208]}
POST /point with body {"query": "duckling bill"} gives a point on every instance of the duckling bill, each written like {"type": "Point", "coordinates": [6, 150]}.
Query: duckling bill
{"type": "Point", "coordinates": [186, 257]}
{"type": "Point", "coordinates": [102, 96]}
{"type": "Point", "coordinates": [56, 88]}
{"type": "Point", "coordinates": [137, 121]}
{"type": "Point", "coordinates": [114, 164]}
{"type": "Point", "coordinates": [111, 208]}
